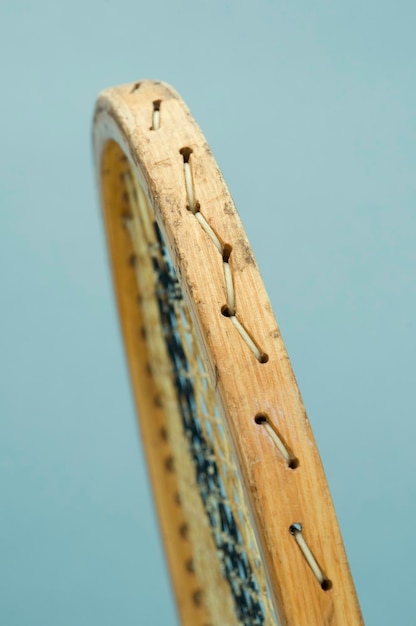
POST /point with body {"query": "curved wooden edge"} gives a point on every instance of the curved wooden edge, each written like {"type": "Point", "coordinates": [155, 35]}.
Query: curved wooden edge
{"type": "Point", "coordinates": [280, 496]}
{"type": "Point", "coordinates": [152, 422]}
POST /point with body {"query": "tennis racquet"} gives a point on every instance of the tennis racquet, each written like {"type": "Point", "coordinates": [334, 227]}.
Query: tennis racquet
{"type": "Point", "coordinates": [246, 516]}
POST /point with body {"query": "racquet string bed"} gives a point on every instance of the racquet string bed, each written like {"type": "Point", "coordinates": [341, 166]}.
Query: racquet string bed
{"type": "Point", "coordinates": [225, 551]}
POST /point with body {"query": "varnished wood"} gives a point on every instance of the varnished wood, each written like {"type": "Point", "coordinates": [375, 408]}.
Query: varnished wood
{"type": "Point", "coordinates": [279, 496]}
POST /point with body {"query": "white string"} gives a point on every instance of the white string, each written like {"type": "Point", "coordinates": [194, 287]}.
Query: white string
{"type": "Point", "coordinates": [244, 334]}
{"type": "Point", "coordinates": [193, 206]}
{"type": "Point", "coordinates": [156, 119]}
{"type": "Point", "coordinates": [307, 553]}
{"type": "Point", "coordinates": [277, 441]}
{"type": "Point", "coordinates": [229, 287]}
{"type": "Point", "coordinates": [189, 184]}
{"type": "Point", "coordinates": [207, 228]}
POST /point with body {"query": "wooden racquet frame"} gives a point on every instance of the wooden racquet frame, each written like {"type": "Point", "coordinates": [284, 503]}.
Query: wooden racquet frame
{"type": "Point", "coordinates": [151, 154]}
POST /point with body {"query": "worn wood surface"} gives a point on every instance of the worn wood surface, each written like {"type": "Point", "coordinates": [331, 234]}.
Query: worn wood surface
{"type": "Point", "coordinates": [280, 496]}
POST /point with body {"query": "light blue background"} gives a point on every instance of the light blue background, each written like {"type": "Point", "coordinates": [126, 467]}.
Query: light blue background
{"type": "Point", "coordinates": [310, 110]}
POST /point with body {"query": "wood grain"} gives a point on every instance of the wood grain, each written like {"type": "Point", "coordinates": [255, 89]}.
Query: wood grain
{"type": "Point", "coordinates": [278, 495]}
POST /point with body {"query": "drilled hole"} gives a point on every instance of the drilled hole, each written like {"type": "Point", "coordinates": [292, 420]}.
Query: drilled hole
{"type": "Point", "coordinates": [158, 401]}
{"type": "Point", "coordinates": [132, 260]}
{"type": "Point", "coordinates": [326, 584]}
{"type": "Point", "coordinates": [184, 530]}
{"type": "Point", "coordinates": [197, 597]}
{"type": "Point", "coordinates": [169, 464]}
{"type": "Point", "coordinates": [226, 252]}
{"type": "Point", "coordinates": [190, 566]}
{"type": "Point", "coordinates": [196, 209]}
{"type": "Point", "coordinates": [126, 217]}
{"type": "Point", "coordinates": [186, 153]}
{"type": "Point", "coordinates": [264, 358]}
{"type": "Point", "coordinates": [294, 463]}
{"type": "Point", "coordinates": [156, 105]}
{"type": "Point", "coordinates": [225, 310]}
{"type": "Point", "coordinates": [295, 528]}
{"type": "Point", "coordinates": [260, 418]}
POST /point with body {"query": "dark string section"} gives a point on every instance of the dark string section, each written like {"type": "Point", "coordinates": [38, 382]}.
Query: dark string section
{"type": "Point", "coordinates": [230, 548]}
